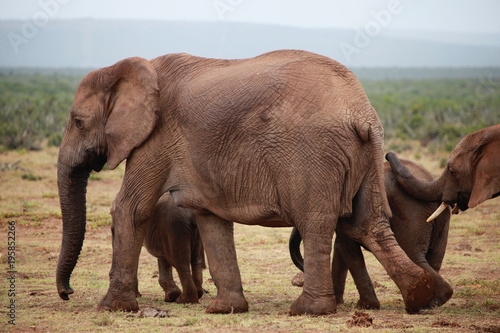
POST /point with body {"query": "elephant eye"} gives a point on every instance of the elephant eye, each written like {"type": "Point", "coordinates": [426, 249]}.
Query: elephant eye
{"type": "Point", "coordinates": [451, 171]}
{"type": "Point", "coordinates": [79, 123]}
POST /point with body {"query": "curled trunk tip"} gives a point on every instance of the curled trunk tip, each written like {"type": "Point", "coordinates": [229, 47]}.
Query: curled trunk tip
{"type": "Point", "coordinates": [420, 189]}
{"type": "Point", "coordinates": [396, 165]}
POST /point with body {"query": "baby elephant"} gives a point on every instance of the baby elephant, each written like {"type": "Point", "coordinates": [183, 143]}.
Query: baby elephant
{"type": "Point", "coordinates": [172, 236]}
{"type": "Point", "coordinates": [423, 242]}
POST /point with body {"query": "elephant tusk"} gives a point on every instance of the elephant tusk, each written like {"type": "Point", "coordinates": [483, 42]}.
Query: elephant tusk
{"type": "Point", "coordinates": [438, 211]}
{"type": "Point", "coordinates": [455, 210]}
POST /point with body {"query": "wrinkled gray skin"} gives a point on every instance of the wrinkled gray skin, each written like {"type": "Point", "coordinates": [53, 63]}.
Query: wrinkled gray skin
{"type": "Point", "coordinates": [471, 176]}
{"type": "Point", "coordinates": [171, 236]}
{"type": "Point", "coordinates": [288, 138]}
{"type": "Point", "coordinates": [425, 243]}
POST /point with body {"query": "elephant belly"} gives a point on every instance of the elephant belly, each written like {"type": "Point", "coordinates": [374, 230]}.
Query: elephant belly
{"type": "Point", "coordinates": [251, 214]}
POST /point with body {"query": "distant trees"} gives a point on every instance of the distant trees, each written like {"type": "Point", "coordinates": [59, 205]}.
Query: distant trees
{"type": "Point", "coordinates": [439, 111]}
{"type": "Point", "coordinates": [34, 107]}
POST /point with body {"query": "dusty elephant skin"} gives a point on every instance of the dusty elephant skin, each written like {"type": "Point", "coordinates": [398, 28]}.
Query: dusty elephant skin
{"type": "Point", "coordinates": [286, 138]}
{"type": "Point", "coordinates": [425, 244]}
{"type": "Point", "coordinates": [172, 236]}
{"type": "Point", "coordinates": [471, 176]}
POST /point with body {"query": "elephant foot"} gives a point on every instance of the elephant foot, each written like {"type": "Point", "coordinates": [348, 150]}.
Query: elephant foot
{"type": "Point", "coordinates": [202, 292]}
{"type": "Point", "coordinates": [442, 294]}
{"type": "Point", "coordinates": [308, 305]}
{"type": "Point", "coordinates": [234, 303]}
{"type": "Point", "coordinates": [172, 295]}
{"type": "Point", "coordinates": [368, 304]}
{"type": "Point", "coordinates": [112, 302]}
{"type": "Point", "coordinates": [187, 299]}
{"type": "Point", "coordinates": [420, 294]}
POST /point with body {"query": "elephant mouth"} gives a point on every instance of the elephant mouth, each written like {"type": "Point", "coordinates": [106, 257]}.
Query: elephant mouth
{"type": "Point", "coordinates": [462, 204]}
{"type": "Point", "coordinates": [463, 201]}
{"type": "Point", "coordinates": [94, 160]}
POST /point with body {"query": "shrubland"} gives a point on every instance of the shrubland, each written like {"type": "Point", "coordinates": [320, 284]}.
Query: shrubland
{"type": "Point", "coordinates": [432, 108]}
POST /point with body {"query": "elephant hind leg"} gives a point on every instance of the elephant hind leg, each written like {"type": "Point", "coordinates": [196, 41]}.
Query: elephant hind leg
{"type": "Point", "coordinates": [136, 287]}
{"type": "Point", "coordinates": [349, 253]}
{"type": "Point", "coordinates": [317, 297]}
{"type": "Point", "coordinates": [166, 280]}
{"type": "Point", "coordinates": [198, 263]}
{"type": "Point", "coordinates": [182, 264]}
{"type": "Point", "coordinates": [189, 290]}
{"type": "Point", "coordinates": [442, 291]}
{"type": "Point", "coordinates": [339, 273]}
{"type": "Point", "coordinates": [218, 241]}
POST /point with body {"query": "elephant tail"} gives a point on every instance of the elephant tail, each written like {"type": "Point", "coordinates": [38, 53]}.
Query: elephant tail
{"type": "Point", "coordinates": [373, 133]}
{"type": "Point", "coordinates": [294, 247]}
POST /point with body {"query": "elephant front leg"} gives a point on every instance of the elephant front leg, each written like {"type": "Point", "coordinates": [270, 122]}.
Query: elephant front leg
{"type": "Point", "coordinates": [218, 241]}
{"type": "Point", "coordinates": [127, 244]}
{"type": "Point", "coordinates": [317, 296]}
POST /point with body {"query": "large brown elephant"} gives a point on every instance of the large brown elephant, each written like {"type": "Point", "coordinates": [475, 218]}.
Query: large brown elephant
{"type": "Point", "coordinates": [425, 243]}
{"type": "Point", "coordinates": [471, 176]}
{"type": "Point", "coordinates": [172, 237]}
{"type": "Point", "coordinates": [286, 138]}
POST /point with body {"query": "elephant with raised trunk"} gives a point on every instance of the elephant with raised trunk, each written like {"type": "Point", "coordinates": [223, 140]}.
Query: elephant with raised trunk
{"type": "Point", "coordinates": [172, 237]}
{"type": "Point", "coordinates": [425, 243]}
{"type": "Point", "coordinates": [286, 138]}
{"type": "Point", "coordinates": [471, 176]}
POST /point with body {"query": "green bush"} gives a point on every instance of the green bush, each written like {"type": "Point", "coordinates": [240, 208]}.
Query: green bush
{"type": "Point", "coordinates": [34, 108]}
{"type": "Point", "coordinates": [437, 112]}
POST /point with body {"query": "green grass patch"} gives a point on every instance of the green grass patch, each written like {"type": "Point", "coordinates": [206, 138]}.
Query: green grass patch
{"type": "Point", "coordinates": [30, 176]}
{"type": "Point", "coordinates": [94, 176]}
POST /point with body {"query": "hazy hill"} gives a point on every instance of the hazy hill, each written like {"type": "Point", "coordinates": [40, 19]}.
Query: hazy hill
{"type": "Point", "coordinates": [97, 43]}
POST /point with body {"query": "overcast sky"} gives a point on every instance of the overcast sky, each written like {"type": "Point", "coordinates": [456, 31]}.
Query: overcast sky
{"type": "Point", "coordinates": [444, 15]}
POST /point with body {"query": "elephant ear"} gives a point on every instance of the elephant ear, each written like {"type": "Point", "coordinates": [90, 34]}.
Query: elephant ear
{"type": "Point", "coordinates": [487, 167]}
{"type": "Point", "coordinates": [132, 102]}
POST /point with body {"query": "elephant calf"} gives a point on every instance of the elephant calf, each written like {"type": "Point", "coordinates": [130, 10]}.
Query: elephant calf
{"type": "Point", "coordinates": [425, 243]}
{"type": "Point", "coordinates": [172, 236]}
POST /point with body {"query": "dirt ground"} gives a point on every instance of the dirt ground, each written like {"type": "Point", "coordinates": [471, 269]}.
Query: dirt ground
{"type": "Point", "coordinates": [30, 222]}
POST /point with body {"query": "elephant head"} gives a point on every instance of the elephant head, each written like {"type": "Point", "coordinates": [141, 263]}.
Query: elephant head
{"type": "Point", "coordinates": [471, 176]}
{"type": "Point", "coordinates": [114, 111]}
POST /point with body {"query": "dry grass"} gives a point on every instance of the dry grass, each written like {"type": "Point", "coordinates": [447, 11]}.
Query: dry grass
{"type": "Point", "coordinates": [472, 265]}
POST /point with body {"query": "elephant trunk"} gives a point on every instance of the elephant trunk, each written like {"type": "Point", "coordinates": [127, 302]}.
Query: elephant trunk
{"type": "Point", "coordinates": [420, 189]}
{"type": "Point", "coordinates": [294, 248]}
{"type": "Point", "coordinates": [72, 184]}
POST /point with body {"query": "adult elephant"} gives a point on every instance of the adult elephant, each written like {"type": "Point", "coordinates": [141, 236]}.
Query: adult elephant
{"type": "Point", "coordinates": [286, 138]}
{"type": "Point", "coordinates": [471, 176]}
{"type": "Point", "coordinates": [425, 243]}
{"type": "Point", "coordinates": [172, 237]}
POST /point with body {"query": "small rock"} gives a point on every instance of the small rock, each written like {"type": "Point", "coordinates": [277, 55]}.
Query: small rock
{"type": "Point", "coordinates": [298, 280]}
{"type": "Point", "coordinates": [152, 312]}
